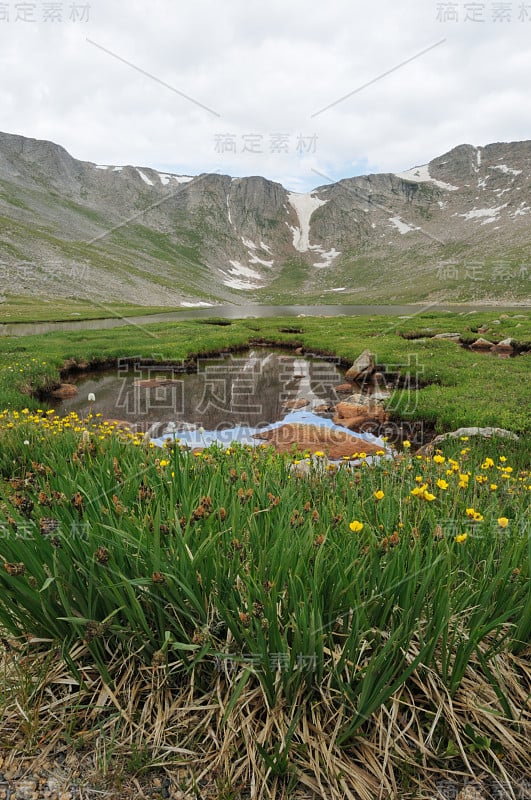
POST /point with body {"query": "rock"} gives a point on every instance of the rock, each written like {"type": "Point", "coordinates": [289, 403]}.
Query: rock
{"type": "Point", "coordinates": [321, 409]}
{"type": "Point", "coordinates": [360, 423]}
{"type": "Point", "coordinates": [379, 397]}
{"type": "Point", "coordinates": [356, 417]}
{"type": "Point", "coordinates": [299, 402]}
{"type": "Point", "coordinates": [65, 391]}
{"type": "Point", "coordinates": [364, 398]}
{"type": "Point", "coordinates": [343, 388]}
{"type": "Point", "coordinates": [496, 322]}
{"type": "Point", "coordinates": [481, 344]}
{"type": "Point", "coordinates": [335, 444]}
{"type": "Point", "coordinates": [483, 329]}
{"type": "Point", "coordinates": [453, 337]}
{"type": "Point", "coordinates": [346, 410]}
{"type": "Point", "coordinates": [362, 367]}
{"type": "Point", "coordinates": [505, 346]}
{"type": "Point", "coordinates": [299, 351]}
{"type": "Point", "coordinates": [504, 316]}
{"type": "Point", "coordinates": [486, 433]}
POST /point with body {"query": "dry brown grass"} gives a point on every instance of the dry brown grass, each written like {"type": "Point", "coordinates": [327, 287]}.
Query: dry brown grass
{"type": "Point", "coordinates": [158, 721]}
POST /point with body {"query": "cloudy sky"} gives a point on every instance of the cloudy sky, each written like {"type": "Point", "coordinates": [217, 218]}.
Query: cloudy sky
{"type": "Point", "coordinates": [283, 88]}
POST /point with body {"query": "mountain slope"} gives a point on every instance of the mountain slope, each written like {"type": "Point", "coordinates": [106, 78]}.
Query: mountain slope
{"type": "Point", "coordinates": [456, 229]}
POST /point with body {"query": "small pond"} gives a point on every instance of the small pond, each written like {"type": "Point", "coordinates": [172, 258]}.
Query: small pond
{"type": "Point", "coordinates": [252, 389]}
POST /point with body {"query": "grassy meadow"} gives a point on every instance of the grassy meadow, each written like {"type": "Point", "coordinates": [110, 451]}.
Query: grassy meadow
{"type": "Point", "coordinates": [240, 627]}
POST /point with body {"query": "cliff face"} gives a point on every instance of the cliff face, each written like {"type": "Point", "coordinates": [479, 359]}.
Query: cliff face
{"type": "Point", "coordinates": [454, 229]}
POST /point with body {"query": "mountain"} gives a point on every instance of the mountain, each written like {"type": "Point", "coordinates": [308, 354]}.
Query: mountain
{"type": "Point", "coordinates": [456, 229]}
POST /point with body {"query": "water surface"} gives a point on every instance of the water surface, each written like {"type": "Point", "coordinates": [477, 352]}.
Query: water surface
{"type": "Point", "coordinates": [240, 312]}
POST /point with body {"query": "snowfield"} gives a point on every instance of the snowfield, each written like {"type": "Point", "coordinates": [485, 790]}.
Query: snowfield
{"type": "Point", "coordinates": [422, 175]}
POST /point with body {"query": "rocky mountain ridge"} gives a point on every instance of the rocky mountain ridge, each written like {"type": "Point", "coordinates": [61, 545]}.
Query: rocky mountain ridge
{"type": "Point", "coordinates": [456, 229]}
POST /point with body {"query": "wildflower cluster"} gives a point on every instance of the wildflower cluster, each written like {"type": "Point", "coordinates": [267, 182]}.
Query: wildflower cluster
{"type": "Point", "coordinates": [104, 537]}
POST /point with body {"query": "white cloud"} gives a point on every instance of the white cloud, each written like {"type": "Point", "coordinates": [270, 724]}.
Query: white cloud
{"type": "Point", "coordinates": [266, 68]}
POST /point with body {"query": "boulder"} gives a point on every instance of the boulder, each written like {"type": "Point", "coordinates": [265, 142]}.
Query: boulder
{"type": "Point", "coordinates": [453, 337]}
{"type": "Point", "coordinates": [313, 438]}
{"type": "Point", "coordinates": [481, 344]}
{"type": "Point", "coordinates": [356, 417]}
{"type": "Point", "coordinates": [364, 398]}
{"type": "Point", "coordinates": [486, 433]}
{"type": "Point", "coordinates": [362, 367]}
{"type": "Point", "coordinates": [505, 346]}
{"type": "Point", "coordinates": [379, 396]}
{"type": "Point", "coordinates": [299, 402]}
{"type": "Point", "coordinates": [321, 409]}
{"type": "Point", "coordinates": [344, 388]}
{"type": "Point", "coordinates": [64, 391]}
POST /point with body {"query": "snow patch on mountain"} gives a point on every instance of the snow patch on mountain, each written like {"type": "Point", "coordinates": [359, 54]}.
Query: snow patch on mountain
{"type": "Point", "coordinates": [422, 175]}
{"type": "Point", "coordinates": [402, 226]}
{"type": "Point", "coordinates": [304, 205]}
{"type": "Point", "coordinates": [326, 256]}
{"type": "Point", "coordinates": [521, 211]}
{"type": "Point", "coordinates": [166, 177]}
{"type": "Point", "coordinates": [241, 277]}
{"type": "Point", "coordinates": [507, 170]}
{"type": "Point", "coordinates": [145, 177]}
{"type": "Point", "coordinates": [487, 214]}
{"type": "Point", "coordinates": [253, 259]}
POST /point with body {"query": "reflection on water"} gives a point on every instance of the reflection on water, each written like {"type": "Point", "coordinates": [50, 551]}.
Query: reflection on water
{"type": "Point", "coordinates": [251, 390]}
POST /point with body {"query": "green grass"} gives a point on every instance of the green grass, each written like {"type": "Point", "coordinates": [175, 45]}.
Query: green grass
{"type": "Point", "coordinates": [462, 388]}
{"type": "Point", "coordinates": [20, 308]}
{"type": "Point", "coordinates": [220, 592]}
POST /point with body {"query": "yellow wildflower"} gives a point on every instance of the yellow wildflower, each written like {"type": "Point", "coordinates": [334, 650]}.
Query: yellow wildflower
{"type": "Point", "coordinates": [356, 526]}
